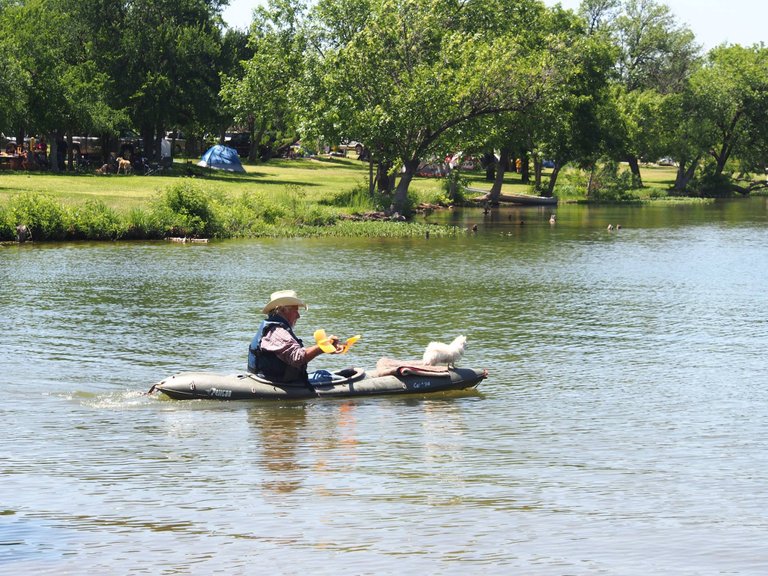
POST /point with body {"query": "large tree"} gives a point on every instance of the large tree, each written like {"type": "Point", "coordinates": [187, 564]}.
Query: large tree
{"type": "Point", "coordinates": [65, 92]}
{"type": "Point", "coordinates": [415, 71]}
{"type": "Point", "coordinates": [656, 54]}
{"type": "Point", "coordinates": [258, 94]}
{"type": "Point", "coordinates": [163, 56]}
{"type": "Point", "coordinates": [732, 93]}
{"type": "Point", "coordinates": [14, 79]}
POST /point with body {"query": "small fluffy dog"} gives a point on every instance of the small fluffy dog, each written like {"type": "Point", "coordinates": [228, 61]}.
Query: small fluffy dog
{"type": "Point", "coordinates": [440, 353]}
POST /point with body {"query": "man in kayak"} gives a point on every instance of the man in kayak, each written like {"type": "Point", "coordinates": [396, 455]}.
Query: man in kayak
{"type": "Point", "coordinates": [276, 353]}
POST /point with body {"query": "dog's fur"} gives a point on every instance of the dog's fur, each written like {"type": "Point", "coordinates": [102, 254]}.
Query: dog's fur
{"type": "Point", "coordinates": [125, 165]}
{"type": "Point", "coordinates": [440, 353]}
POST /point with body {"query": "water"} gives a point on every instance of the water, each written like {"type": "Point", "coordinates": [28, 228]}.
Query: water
{"type": "Point", "coordinates": [622, 430]}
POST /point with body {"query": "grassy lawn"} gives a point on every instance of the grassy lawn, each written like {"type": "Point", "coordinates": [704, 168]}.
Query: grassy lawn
{"type": "Point", "coordinates": [320, 178]}
{"type": "Point", "coordinates": [278, 199]}
{"type": "Point", "coordinates": [660, 177]}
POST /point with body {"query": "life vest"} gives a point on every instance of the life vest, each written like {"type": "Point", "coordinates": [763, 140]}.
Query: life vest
{"type": "Point", "coordinates": [266, 363]}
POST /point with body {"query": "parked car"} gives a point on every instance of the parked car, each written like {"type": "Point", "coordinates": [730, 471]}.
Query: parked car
{"type": "Point", "coordinates": [240, 141]}
{"type": "Point", "coordinates": [129, 143]}
{"type": "Point", "coordinates": [666, 161]}
{"type": "Point", "coordinates": [178, 140]}
{"type": "Point", "coordinates": [351, 145]}
{"type": "Point", "coordinates": [86, 145]}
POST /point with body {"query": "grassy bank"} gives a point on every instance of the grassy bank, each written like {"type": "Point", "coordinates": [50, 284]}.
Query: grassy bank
{"type": "Point", "coordinates": [306, 197]}
{"type": "Point", "coordinates": [319, 178]}
{"type": "Point", "coordinates": [281, 198]}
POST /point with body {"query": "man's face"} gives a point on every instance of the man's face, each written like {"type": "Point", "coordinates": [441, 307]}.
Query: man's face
{"type": "Point", "coordinates": [291, 313]}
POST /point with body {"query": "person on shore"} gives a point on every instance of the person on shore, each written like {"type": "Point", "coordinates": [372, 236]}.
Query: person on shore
{"type": "Point", "coordinates": [276, 353]}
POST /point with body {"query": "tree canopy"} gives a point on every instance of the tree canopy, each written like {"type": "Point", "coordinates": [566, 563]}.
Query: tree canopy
{"type": "Point", "coordinates": [618, 80]}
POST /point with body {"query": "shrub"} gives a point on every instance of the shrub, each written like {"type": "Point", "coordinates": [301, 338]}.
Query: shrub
{"type": "Point", "coordinates": [248, 215]}
{"type": "Point", "coordinates": [357, 199]}
{"type": "Point", "coordinates": [45, 219]}
{"type": "Point", "coordinates": [186, 210]}
{"type": "Point", "coordinates": [95, 221]}
{"type": "Point", "coordinates": [7, 231]}
{"type": "Point", "coordinates": [609, 184]}
{"type": "Point", "coordinates": [141, 225]}
{"type": "Point", "coordinates": [454, 186]}
{"type": "Point", "coordinates": [710, 184]}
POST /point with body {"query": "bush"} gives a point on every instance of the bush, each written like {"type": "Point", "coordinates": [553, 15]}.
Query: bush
{"type": "Point", "coordinates": [709, 184]}
{"type": "Point", "coordinates": [609, 184]}
{"type": "Point", "coordinates": [7, 231]}
{"type": "Point", "coordinates": [95, 221]}
{"type": "Point", "coordinates": [248, 215]}
{"type": "Point", "coordinates": [357, 199]}
{"type": "Point", "coordinates": [185, 210]}
{"type": "Point", "coordinates": [45, 219]}
{"type": "Point", "coordinates": [454, 185]}
{"type": "Point", "coordinates": [141, 225]}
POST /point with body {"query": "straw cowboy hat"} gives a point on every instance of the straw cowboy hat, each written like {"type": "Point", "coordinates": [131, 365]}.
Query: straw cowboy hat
{"type": "Point", "coordinates": [282, 298]}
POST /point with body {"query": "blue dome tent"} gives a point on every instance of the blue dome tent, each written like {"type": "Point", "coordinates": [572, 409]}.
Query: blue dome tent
{"type": "Point", "coordinates": [221, 158]}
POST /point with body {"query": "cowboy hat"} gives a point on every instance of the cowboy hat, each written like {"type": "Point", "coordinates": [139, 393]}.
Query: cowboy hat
{"type": "Point", "coordinates": [282, 298]}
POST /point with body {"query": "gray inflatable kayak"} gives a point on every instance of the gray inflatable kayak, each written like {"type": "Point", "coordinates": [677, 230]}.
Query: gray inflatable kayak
{"type": "Point", "coordinates": [390, 377]}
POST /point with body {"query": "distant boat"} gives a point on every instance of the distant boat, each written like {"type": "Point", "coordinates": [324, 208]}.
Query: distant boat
{"type": "Point", "coordinates": [524, 199]}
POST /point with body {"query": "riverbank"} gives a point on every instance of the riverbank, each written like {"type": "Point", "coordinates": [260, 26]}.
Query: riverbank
{"type": "Point", "coordinates": [282, 198]}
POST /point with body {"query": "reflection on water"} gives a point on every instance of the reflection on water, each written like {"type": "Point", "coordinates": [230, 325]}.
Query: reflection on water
{"type": "Point", "coordinates": [622, 429]}
{"type": "Point", "coordinates": [279, 437]}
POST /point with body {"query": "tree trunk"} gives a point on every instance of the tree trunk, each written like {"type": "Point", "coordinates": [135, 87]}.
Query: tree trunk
{"type": "Point", "coordinates": [684, 175]}
{"type": "Point", "coordinates": [720, 160]}
{"type": "Point", "coordinates": [490, 166]}
{"type": "Point", "coordinates": [495, 192]}
{"type": "Point", "coordinates": [157, 145]}
{"type": "Point", "coordinates": [537, 173]}
{"type": "Point", "coordinates": [253, 147]}
{"type": "Point", "coordinates": [591, 180]}
{"type": "Point", "coordinates": [552, 181]}
{"type": "Point", "coordinates": [371, 182]}
{"type": "Point", "coordinates": [383, 180]}
{"type": "Point", "coordinates": [70, 155]}
{"type": "Point", "coordinates": [525, 169]}
{"type": "Point", "coordinates": [401, 193]}
{"type": "Point", "coordinates": [53, 157]}
{"type": "Point", "coordinates": [634, 167]}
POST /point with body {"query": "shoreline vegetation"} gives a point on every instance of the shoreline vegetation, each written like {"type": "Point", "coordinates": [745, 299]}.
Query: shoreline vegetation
{"type": "Point", "coordinates": [282, 198]}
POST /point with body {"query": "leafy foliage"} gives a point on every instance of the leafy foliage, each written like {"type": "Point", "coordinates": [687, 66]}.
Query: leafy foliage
{"type": "Point", "coordinates": [44, 218]}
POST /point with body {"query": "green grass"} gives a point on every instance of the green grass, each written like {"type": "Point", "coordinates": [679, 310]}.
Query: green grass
{"type": "Point", "coordinates": [305, 197]}
{"type": "Point", "coordinates": [123, 192]}
{"type": "Point", "coordinates": [319, 179]}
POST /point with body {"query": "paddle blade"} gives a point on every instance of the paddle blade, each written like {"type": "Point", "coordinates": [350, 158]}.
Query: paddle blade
{"type": "Point", "coordinates": [324, 342]}
{"type": "Point", "coordinates": [348, 344]}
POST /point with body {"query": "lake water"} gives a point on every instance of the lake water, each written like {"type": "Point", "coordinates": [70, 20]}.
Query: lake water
{"type": "Point", "coordinates": [623, 429]}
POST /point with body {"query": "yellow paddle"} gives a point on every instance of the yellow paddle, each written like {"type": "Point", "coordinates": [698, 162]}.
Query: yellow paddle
{"type": "Point", "coordinates": [348, 344]}
{"type": "Point", "coordinates": [327, 346]}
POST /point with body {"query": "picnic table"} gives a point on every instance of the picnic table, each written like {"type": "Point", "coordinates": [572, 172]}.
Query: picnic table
{"type": "Point", "coordinates": [11, 161]}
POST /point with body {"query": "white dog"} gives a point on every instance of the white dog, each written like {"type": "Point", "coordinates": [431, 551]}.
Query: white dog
{"type": "Point", "coordinates": [440, 353]}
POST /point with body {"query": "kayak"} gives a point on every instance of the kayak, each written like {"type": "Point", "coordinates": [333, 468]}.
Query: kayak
{"type": "Point", "coordinates": [389, 377]}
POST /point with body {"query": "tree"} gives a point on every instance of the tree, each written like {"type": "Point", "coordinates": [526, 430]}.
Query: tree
{"type": "Point", "coordinates": [163, 56]}
{"type": "Point", "coordinates": [259, 97]}
{"type": "Point", "coordinates": [731, 91]}
{"type": "Point", "coordinates": [15, 81]}
{"type": "Point", "coordinates": [64, 90]}
{"type": "Point", "coordinates": [412, 73]}
{"type": "Point", "coordinates": [656, 54]}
